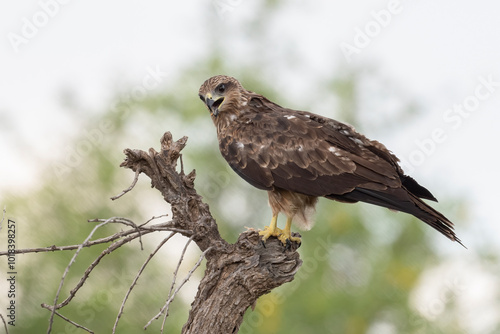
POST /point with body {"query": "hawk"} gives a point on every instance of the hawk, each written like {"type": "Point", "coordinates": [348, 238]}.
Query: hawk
{"type": "Point", "coordinates": [298, 156]}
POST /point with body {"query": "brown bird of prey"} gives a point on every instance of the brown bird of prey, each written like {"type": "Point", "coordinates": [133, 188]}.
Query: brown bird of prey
{"type": "Point", "coordinates": [298, 156]}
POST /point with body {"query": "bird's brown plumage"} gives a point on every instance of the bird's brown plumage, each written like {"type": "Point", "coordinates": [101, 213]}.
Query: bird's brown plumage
{"type": "Point", "coordinates": [298, 156]}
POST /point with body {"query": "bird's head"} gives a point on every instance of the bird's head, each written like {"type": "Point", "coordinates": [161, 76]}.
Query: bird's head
{"type": "Point", "coordinates": [222, 95]}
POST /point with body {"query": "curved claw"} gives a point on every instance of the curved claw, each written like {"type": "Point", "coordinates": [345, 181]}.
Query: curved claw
{"type": "Point", "coordinates": [285, 235]}
{"type": "Point", "coordinates": [286, 238]}
{"type": "Point", "coordinates": [269, 231]}
{"type": "Point", "coordinates": [272, 230]}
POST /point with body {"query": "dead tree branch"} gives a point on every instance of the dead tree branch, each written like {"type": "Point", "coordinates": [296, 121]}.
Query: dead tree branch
{"type": "Point", "coordinates": [236, 274]}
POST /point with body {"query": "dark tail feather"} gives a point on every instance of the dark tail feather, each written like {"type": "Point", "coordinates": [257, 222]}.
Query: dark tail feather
{"type": "Point", "coordinates": [416, 189]}
{"type": "Point", "coordinates": [402, 200]}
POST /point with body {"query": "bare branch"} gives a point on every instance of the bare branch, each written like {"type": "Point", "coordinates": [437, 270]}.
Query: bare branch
{"type": "Point", "coordinates": [182, 164]}
{"type": "Point", "coordinates": [136, 177]}
{"type": "Point", "coordinates": [181, 258]}
{"type": "Point", "coordinates": [92, 266]}
{"type": "Point", "coordinates": [70, 321]}
{"type": "Point", "coordinates": [173, 280]}
{"type": "Point", "coordinates": [188, 276]}
{"type": "Point", "coordinates": [51, 320]}
{"type": "Point", "coordinates": [112, 247]}
{"type": "Point", "coordinates": [143, 230]}
{"type": "Point", "coordinates": [153, 218]}
{"type": "Point", "coordinates": [128, 222]}
{"type": "Point", "coordinates": [171, 297]}
{"type": "Point", "coordinates": [236, 274]}
{"type": "Point", "coordinates": [137, 278]}
{"type": "Point", "coordinates": [189, 211]}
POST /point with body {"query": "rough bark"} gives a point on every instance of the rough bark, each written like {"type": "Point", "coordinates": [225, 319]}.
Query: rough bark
{"type": "Point", "coordinates": [236, 274]}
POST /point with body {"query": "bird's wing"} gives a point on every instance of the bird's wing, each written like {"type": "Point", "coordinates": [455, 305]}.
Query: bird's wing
{"type": "Point", "coordinates": [271, 146]}
{"type": "Point", "coordinates": [306, 153]}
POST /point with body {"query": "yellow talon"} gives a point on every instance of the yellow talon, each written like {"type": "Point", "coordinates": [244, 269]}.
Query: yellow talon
{"type": "Point", "coordinates": [287, 233]}
{"type": "Point", "coordinates": [272, 230]}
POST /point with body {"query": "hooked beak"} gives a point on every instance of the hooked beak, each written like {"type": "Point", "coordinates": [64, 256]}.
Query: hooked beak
{"type": "Point", "coordinates": [214, 105]}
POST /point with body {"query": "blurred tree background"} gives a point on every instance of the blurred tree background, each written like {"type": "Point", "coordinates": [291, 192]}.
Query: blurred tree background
{"type": "Point", "coordinates": [365, 268]}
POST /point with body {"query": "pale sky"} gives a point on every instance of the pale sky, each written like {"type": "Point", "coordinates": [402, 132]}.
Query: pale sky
{"type": "Point", "coordinates": [436, 51]}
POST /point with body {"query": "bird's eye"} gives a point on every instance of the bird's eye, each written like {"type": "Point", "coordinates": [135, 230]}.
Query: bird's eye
{"type": "Point", "coordinates": [221, 88]}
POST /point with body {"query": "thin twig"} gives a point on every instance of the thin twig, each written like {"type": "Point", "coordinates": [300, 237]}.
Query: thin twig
{"type": "Point", "coordinates": [3, 320]}
{"type": "Point", "coordinates": [188, 276]}
{"type": "Point", "coordinates": [181, 258]}
{"type": "Point", "coordinates": [51, 319]}
{"type": "Point", "coordinates": [125, 221]}
{"type": "Point", "coordinates": [136, 177]}
{"type": "Point", "coordinates": [179, 265]}
{"type": "Point", "coordinates": [182, 165]}
{"type": "Point", "coordinates": [54, 248]}
{"type": "Point", "coordinates": [73, 259]}
{"type": "Point", "coordinates": [166, 306]}
{"type": "Point", "coordinates": [153, 218]}
{"type": "Point", "coordinates": [71, 322]}
{"type": "Point", "coordinates": [120, 312]}
{"type": "Point", "coordinates": [92, 266]}
{"type": "Point", "coordinates": [144, 230]}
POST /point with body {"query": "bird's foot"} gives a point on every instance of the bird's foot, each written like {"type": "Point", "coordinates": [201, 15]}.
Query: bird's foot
{"type": "Point", "coordinates": [286, 238]}
{"type": "Point", "coordinates": [270, 232]}
{"type": "Point", "coordinates": [283, 235]}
